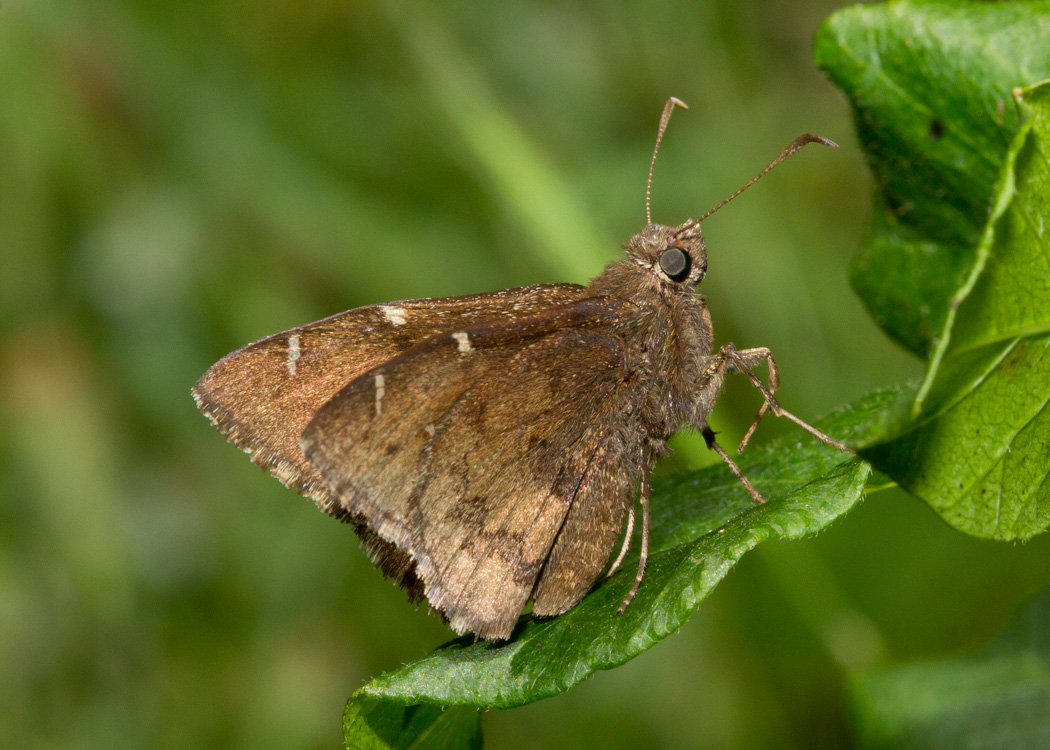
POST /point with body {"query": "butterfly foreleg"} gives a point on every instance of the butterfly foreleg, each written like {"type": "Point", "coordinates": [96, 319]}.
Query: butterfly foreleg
{"type": "Point", "coordinates": [743, 361]}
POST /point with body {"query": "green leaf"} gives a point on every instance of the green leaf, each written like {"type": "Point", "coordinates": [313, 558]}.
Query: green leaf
{"type": "Point", "coordinates": [976, 444]}
{"type": "Point", "coordinates": [702, 523]}
{"type": "Point", "coordinates": [370, 724]}
{"type": "Point", "coordinates": [930, 85]}
{"type": "Point", "coordinates": [998, 698]}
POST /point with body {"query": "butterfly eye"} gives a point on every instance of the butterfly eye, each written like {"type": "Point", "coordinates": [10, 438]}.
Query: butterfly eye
{"type": "Point", "coordinates": [675, 263]}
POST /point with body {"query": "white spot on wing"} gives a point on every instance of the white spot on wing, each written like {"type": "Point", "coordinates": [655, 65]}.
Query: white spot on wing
{"type": "Point", "coordinates": [293, 353]}
{"type": "Point", "coordinates": [463, 340]}
{"type": "Point", "coordinates": [395, 315]}
{"type": "Point", "coordinates": [431, 429]}
{"type": "Point", "coordinates": [380, 391]}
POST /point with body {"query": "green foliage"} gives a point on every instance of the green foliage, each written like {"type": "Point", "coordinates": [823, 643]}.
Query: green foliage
{"type": "Point", "coordinates": [370, 724]}
{"type": "Point", "coordinates": [976, 445]}
{"type": "Point", "coordinates": [999, 697]}
{"type": "Point", "coordinates": [930, 84]}
{"type": "Point", "coordinates": [957, 272]}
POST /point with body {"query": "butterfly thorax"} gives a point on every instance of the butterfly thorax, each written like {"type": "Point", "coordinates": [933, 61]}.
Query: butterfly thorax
{"type": "Point", "coordinates": [669, 339]}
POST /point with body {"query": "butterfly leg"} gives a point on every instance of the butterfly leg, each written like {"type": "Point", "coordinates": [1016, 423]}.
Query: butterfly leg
{"type": "Point", "coordinates": [709, 438]}
{"type": "Point", "coordinates": [626, 544]}
{"type": "Point", "coordinates": [742, 361]}
{"type": "Point", "coordinates": [643, 555]}
{"type": "Point", "coordinates": [756, 355]}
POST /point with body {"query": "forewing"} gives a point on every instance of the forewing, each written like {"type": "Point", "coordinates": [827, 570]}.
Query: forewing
{"type": "Point", "coordinates": [473, 452]}
{"type": "Point", "coordinates": [262, 396]}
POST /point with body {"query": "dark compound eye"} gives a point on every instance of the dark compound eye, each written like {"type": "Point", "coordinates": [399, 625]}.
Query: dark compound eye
{"type": "Point", "coordinates": [675, 263]}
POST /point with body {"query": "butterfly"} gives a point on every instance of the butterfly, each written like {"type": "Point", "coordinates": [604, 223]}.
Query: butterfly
{"type": "Point", "coordinates": [490, 449]}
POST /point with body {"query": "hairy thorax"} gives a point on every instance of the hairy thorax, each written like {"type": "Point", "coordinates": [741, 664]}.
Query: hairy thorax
{"type": "Point", "coordinates": [668, 343]}
{"type": "Point", "coordinates": [677, 342]}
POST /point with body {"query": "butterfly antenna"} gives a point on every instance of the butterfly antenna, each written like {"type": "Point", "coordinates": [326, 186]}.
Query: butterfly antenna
{"type": "Point", "coordinates": [796, 144]}
{"type": "Point", "coordinates": [665, 117]}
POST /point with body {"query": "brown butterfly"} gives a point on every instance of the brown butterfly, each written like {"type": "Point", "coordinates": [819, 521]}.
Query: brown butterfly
{"type": "Point", "coordinates": [488, 448]}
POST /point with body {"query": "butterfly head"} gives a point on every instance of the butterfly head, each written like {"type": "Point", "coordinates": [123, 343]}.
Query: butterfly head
{"type": "Point", "coordinates": [677, 256]}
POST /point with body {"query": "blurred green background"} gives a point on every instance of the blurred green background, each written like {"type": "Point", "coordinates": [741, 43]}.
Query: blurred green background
{"type": "Point", "coordinates": [178, 180]}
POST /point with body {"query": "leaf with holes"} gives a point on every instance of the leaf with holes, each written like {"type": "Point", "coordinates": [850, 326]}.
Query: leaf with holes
{"type": "Point", "coordinates": [976, 445]}
{"type": "Point", "coordinates": [930, 85]}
